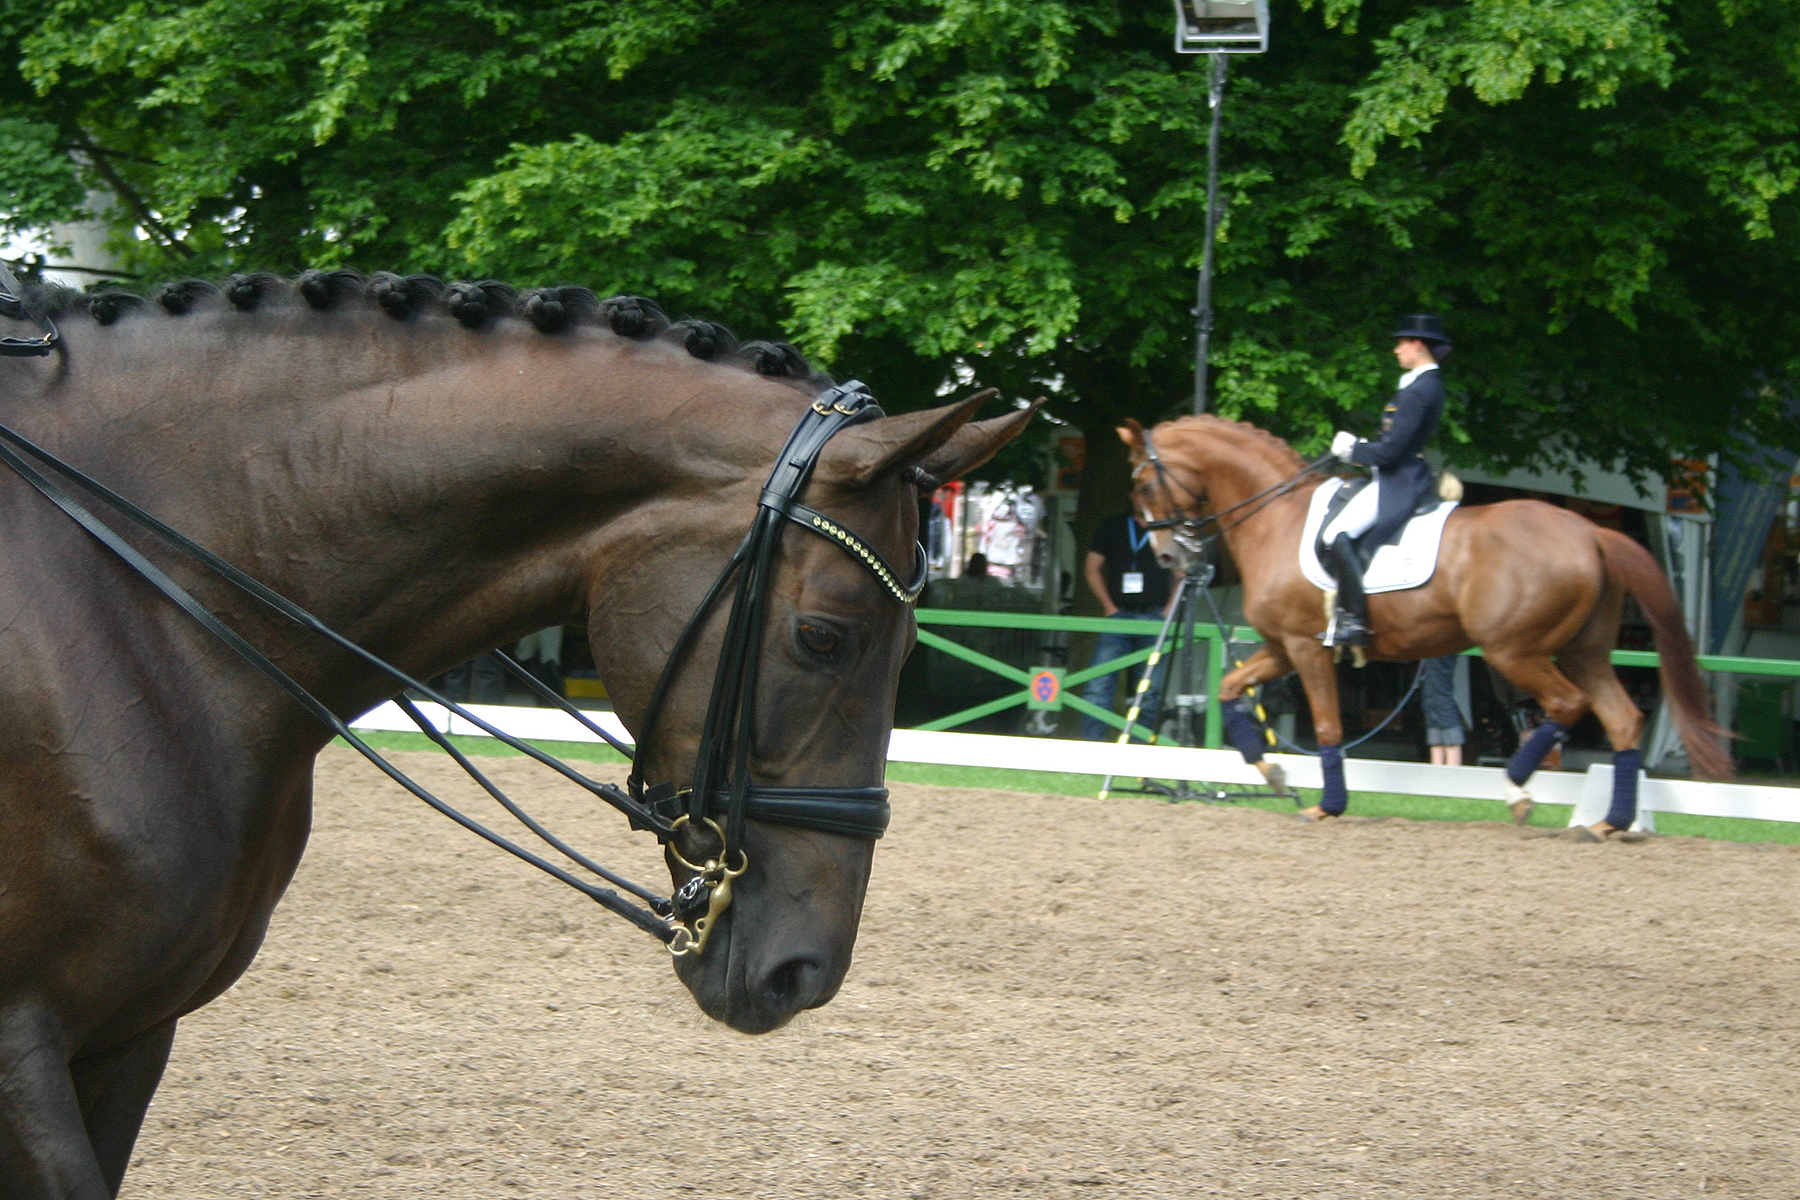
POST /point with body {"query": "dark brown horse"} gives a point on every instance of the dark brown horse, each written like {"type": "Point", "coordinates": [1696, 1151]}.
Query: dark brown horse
{"type": "Point", "coordinates": [434, 476]}
{"type": "Point", "coordinates": [1539, 588]}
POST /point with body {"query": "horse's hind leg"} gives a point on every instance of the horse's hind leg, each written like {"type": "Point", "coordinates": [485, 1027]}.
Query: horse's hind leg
{"type": "Point", "coordinates": [1563, 704]}
{"type": "Point", "coordinates": [45, 1153]}
{"type": "Point", "coordinates": [114, 1088]}
{"type": "Point", "coordinates": [1592, 668]}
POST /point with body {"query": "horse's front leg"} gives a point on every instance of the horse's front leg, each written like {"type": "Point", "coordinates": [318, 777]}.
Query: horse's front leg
{"type": "Point", "coordinates": [45, 1151]}
{"type": "Point", "coordinates": [1319, 677]}
{"type": "Point", "coordinates": [115, 1087]}
{"type": "Point", "coordinates": [1270, 662]}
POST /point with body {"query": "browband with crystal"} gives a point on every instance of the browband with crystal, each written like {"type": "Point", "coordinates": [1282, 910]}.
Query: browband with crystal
{"type": "Point", "coordinates": [825, 527]}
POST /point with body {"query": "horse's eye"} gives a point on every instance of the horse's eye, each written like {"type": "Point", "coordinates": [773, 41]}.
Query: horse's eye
{"type": "Point", "coordinates": [818, 639]}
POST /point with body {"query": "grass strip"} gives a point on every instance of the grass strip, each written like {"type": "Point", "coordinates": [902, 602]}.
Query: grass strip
{"type": "Point", "coordinates": [1056, 783]}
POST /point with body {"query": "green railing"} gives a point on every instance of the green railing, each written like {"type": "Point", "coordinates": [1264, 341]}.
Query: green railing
{"type": "Point", "coordinates": [1215, 661]}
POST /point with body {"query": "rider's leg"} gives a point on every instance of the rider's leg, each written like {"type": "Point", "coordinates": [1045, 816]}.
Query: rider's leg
{"type": "Point", "coordinates": [1350, 622]}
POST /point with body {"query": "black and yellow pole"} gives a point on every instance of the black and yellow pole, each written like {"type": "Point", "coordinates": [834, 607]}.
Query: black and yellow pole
{"type": "Point", "coordinates": [1177, 605]}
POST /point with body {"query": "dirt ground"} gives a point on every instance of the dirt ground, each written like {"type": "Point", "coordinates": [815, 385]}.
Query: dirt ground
{"type": "Point", "coordinates": [1052, 997]}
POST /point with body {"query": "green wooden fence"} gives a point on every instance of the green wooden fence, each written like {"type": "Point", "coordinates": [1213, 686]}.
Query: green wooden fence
{"type": "Point", "coordinates": [1207, 632]}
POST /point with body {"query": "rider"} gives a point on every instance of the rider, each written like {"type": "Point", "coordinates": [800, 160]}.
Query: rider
{"type": "Point", "coordinates": [1402, 476]}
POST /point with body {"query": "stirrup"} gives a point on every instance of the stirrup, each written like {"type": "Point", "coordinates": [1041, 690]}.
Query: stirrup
{"type": "Point", "coordinates": [1355, 636]}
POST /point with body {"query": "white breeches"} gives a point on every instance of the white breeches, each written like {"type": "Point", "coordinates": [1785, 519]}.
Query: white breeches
{"type": "Point", "coordinates": [1358, 515]}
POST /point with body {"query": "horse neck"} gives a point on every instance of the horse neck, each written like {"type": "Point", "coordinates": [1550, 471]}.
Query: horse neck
{"type": "Point", "coordinates": [428, 491]}
{"type": "Point", "coordinates": [1231, 468]}
{"type": "Point", "coordinates": [1234, 469]}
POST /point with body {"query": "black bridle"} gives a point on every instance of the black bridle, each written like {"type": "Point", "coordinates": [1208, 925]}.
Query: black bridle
{"type": "Point", "coordinates": [12, 307]}
{"type": "Point", "coordinates": [1185, 527]}
{"type": "Point", "coordinates": [721, 781]}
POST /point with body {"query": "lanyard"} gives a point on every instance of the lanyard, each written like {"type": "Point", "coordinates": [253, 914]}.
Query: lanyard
{"type": "Point", "coordinates": [1137, 542]}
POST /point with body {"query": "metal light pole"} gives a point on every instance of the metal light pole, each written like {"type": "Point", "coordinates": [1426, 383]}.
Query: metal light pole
{"type": "Point", "coordinates": [1215, 28]}
{"type": "Point", "coordinates": [1203, 311]}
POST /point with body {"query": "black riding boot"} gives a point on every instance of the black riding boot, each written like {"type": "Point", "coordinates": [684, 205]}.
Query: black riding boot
{"type": "Point", "coordinates": [1350, 624]}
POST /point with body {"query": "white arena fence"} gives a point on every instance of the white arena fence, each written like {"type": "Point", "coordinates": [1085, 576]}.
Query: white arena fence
{"type": "Point", "coordinates": [1588, 791]}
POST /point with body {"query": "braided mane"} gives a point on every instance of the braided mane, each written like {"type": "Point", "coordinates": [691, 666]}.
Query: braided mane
{"type": "Point", "coordinates": [1207, 422]}
{"type": "Point", "coordinates": [402, 297]}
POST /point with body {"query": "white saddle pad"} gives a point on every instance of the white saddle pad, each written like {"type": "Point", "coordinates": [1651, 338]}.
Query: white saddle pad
{"type": "Point", "coordinates": [1409, 564]}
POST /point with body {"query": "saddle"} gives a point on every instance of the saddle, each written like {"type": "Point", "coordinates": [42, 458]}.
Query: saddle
{"type": "Point", "coordinates": [1408, 564]}
{"type": "Point", "coordinates": [1349, 488]}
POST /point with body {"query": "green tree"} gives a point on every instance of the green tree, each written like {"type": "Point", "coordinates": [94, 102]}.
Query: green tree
{"type": "Point", "coordinates": [1598, 193]}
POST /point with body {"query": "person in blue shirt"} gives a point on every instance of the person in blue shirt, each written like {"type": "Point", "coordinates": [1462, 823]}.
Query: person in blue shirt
{"type": "Point", "coordinates": [1375, 516]}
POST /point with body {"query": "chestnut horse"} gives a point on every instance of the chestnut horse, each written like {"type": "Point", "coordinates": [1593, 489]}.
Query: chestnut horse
{"type": "Point", "coordinates": [433, 472]}
{"type": "Point", "coordinates": [1538, 588]}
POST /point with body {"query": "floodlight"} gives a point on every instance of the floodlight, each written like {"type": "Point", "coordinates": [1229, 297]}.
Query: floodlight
{"type": "Point", "coordinates": [1221, 26]}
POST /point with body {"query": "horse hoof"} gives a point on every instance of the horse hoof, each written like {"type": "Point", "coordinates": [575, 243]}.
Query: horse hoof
{"type": "Point", "coordinates": [1581, 833]}
{"type": "Point", "coordinates": [1276, 779]}
{"type": "Point", "coordinates": [1519, 803]}
{"type": "Point", "coordinates": [1315, 814]}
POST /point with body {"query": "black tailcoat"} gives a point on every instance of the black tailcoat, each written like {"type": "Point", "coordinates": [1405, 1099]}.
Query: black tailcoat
{"type": "Point", "coordinates": [1407, 426]}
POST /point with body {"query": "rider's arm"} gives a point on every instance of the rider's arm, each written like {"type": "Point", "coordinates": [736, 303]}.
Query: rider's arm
{"type": "Point", "coordinates": [1095, 573]}
{"type": "Point", "coordinates": [1416, 412]}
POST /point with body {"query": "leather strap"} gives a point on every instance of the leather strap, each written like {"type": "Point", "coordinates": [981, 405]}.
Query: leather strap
{"type": "Point", "coordinates": [651, 922]}
{"type": "Point", "coordinates": [825, 527]}
{"type": "Point", "coordinates": [12, 306]}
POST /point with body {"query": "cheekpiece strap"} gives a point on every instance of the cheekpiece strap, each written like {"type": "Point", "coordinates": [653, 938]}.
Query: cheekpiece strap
{"type": "Point", "coordinates": [834, 409]}
{"type": "Point", "coordinates": [12, 306]}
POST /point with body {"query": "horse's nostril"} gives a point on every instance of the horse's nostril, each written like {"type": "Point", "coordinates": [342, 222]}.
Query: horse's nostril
{"type": "Point", "coordinates": [793, 985]}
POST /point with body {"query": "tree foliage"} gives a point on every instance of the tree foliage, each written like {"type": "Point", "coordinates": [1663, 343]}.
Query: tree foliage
{"type": "Point", "coordinates": [1598, 194]}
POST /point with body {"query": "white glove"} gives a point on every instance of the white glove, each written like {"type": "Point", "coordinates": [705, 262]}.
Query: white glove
{"type": "Point", "coordinates": [1343, 444]}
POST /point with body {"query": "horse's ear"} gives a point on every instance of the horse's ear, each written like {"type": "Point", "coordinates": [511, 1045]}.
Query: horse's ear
{"type": "Point", "coordinates": [1132, 434]}
{"type": "Point", "coordinates": [974, 444]}
{"type": "Point", "coordinates": [940, 442]}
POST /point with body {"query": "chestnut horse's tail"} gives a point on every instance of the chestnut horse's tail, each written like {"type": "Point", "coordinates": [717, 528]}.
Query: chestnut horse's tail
{"type": "Point", "coordinates": [1631, 567]}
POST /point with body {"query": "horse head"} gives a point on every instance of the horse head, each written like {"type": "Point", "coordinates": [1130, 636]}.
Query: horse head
{"type": "Point", "coordinates": [834, 637]}
{"type": "Point", "coordinates": [1162, 493]}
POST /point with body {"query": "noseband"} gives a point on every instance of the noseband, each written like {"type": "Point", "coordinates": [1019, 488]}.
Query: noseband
{"type": "Point", "coordinates": [721, 782]}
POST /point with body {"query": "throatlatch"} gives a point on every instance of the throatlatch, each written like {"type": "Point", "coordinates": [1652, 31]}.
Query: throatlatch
{"type": "Point", "coordinates": [722, 778]}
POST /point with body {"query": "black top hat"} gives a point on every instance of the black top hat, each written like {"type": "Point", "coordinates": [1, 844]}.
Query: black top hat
{"type": "Point", "coordinates": [1424, 327]}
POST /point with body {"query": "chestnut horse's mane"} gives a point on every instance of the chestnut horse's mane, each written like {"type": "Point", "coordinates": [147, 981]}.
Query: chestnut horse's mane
{"type": "Point", "coordinates": [1238, 431]}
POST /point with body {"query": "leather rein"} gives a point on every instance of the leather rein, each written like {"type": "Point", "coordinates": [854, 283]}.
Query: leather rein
{"type": "Point", "coordinates": [1185, 529]}
{"type": "Point", "coordinates": [722, 783]}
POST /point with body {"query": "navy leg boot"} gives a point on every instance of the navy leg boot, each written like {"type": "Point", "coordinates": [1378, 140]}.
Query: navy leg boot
{"type": "Point", "coordinates": [1336, 797]}
{"type": "Point", "coordinates": [1626, 765]}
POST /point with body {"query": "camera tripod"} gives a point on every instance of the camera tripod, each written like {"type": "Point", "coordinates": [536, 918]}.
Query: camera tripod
{"type": "Point", "coordinates": [1176, 641]}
